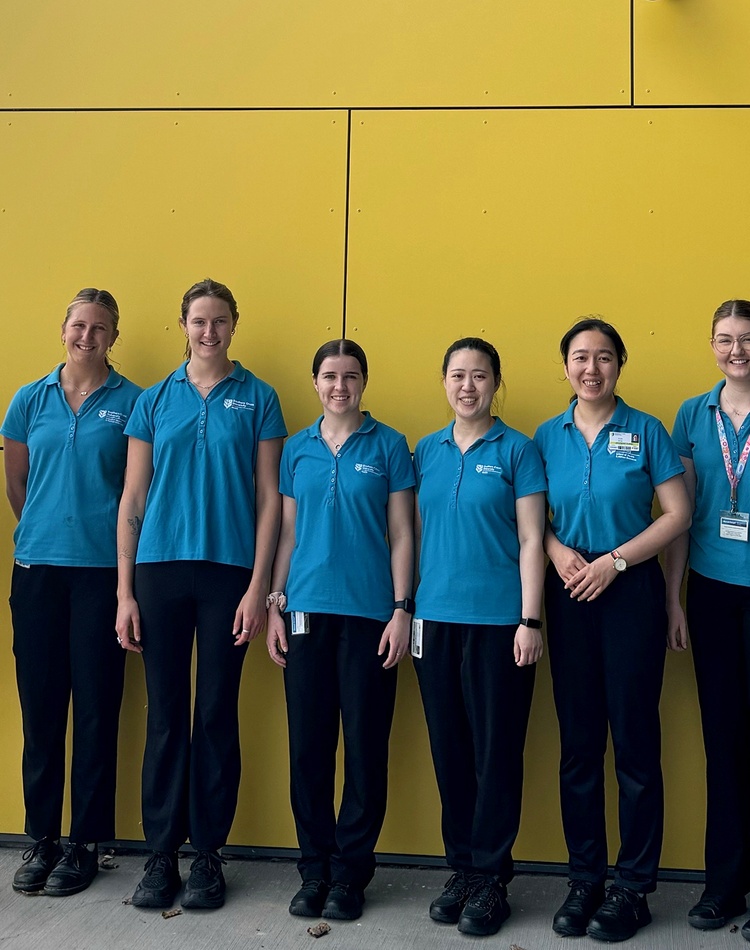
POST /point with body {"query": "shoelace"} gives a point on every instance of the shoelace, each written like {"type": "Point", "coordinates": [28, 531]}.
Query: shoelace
{"type": "Point", "coordinates": [459, 883]}
{"type": "Point", "coordinates": [338, 886]}
{"type": "Point", "coordinates": [207, 864]}
{"type": "Point", "coordinates": [42, 845]}
{"type": "Point", "coordinates": [73, 853]}
{"type": "Point", "coordinates": [485, 894]}
{"type": "Point", "coordinates": [158, 863]}
{"type": "Point", "coordinates": [620, 895]}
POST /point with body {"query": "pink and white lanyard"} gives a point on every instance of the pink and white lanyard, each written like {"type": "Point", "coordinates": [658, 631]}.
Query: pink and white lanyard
{"type": "Point", "coordinates": [733, 475]}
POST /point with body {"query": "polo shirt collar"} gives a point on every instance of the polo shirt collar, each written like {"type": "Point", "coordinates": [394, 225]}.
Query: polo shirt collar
{"type": "Point", "coordinates": [368, 424]}
{"type": "Point", "coordinates": [619, 416]}
{"type": "Point", "coordinates": [111, 382]}
{"type": "Point", "coordinates": [715, 394]}
{"type": "Point", "coordinates": [239, 372]}
{"type": "Point", "coordinates": [494, 432]}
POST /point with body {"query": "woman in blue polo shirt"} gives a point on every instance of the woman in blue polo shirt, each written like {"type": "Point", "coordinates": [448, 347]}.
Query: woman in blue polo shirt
{"type": "Point", "coordinates": [712, 435]}
{"type": "Point", "coordinates": [64, 457]}
{"type": "Point", "coordinates": [607, 625]}
{"type": "Point", "coordinates": [196, 535]}
{"type": "Point", "coordinates": [480, 524]}
{"type": "Point", "coordinates": [338, 624]}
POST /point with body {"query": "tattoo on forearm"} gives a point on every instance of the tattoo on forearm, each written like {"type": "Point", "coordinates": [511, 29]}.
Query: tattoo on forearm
{"type": "Point", "coordinates": [135, 525]}
{"type": "Point", "coordinates": [124, 555]}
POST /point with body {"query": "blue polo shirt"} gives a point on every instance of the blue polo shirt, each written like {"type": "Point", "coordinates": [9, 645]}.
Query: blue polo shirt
{"type": "Point", "coordinates": [602, 497]}
{"type": "Point", "coordinates": [76, 470]}
{"type": "Point", "coordinates": [468, 564]}
{"type": "Point", "coordinates": [201, 502]}
{"type": "Point", "coordinates": [341, 563]}
{"type": "Point", "coordinates": [696, 438]}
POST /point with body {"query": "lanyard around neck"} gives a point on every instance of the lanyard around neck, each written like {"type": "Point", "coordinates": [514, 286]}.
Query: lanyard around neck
{"type": "Point", "coordinates": [734, 475]}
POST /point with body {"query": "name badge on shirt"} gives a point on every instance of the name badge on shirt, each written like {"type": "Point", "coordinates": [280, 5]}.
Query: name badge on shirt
{"type": "Point", "coordinates": [300, 622]}
{"type": "Point", "coordinates": [733, 525]}
{"type": "Point", "coordinates": [624, 442]}
{"type": "Point", "coordinates": [416, 638]}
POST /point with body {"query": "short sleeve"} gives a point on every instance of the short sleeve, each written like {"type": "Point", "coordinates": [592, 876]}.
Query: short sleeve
{"type": "Point", "coordinates": [286, 478]}
{"type": "Point", "coordinates": [664, 461]}
{"type": "Point", "coordinates": [680, 436]}
{"type": "Point", "coordinates": [272, 426]}
{"type": "Point", "coordinates": [401, 474]}
{"type": "Point", "coordinates": [140, 425]}
{"type": "Point", "coordinates": [529, 477]}
{"type": "Point", "coordinates": [15, 424]}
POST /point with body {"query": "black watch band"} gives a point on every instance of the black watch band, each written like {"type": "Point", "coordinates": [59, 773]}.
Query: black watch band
{"type": "Point", "coordinates": [406, 604]}
{"type": "Point", "coordinates": [529, 622]}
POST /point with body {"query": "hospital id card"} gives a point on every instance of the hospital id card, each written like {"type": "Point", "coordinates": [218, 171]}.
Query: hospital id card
{"type": "Point", "coordinates": [416, 638]}
{"type": "Point", "coordinates": [624, 442]}
{"type": "Point", "coordinates": [300, 622]}
{"type": "Point", "coordinates": [733, 525]}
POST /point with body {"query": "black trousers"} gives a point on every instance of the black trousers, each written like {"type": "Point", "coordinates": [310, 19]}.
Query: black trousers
{"type": "Point", "coordinates": [335, 678]}
{"type": "Point", "coordinates": [191, 765]}
{"type": "Point", "coordinates": [65, 646]}
{"type": "Point", "coordinates": [477, 704]}
{"type": "Point", "coordinates": [607, 660]}
{"type": "Point", "coordinates": [719, 621]}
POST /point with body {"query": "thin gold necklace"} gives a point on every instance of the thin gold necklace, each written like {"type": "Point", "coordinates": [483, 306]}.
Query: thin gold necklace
{"type": "Point", "coordinates": [735, 410]}
{"type": "Point", "coordinates": [81, 392]}
{"type": "Point", "coordinates": [208, 385]}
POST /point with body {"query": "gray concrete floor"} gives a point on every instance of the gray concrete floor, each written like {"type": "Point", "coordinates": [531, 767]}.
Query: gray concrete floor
{"type": "Point", "coordinates": [255, 916]}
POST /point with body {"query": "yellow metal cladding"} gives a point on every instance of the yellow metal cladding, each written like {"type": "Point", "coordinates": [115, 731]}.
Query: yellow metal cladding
{"type": "Point", "coordinates": [691, 53]}
{"type": "Point", "coordinates": [313, 53]}
{"type": "Point", "coordinates": [503, 174]}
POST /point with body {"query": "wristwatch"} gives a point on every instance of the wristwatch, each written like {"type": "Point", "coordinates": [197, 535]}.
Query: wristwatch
{"type": "Point", "coordinates": [619, 562]}
{"type": "Point", "coordinates": [530, 622]}
{"type": "Point", "coordinates": [406, 604]}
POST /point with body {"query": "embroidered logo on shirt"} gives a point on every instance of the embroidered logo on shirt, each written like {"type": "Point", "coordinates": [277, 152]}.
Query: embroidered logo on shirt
{"type": "Point", "coordinates": [367, 469]}
{"type": "Point", "coordinates": [239, 404]}
{"type": "Point", "coordinates": [116, 418]}
{"type": "Point", "coordinates": [489, 470]}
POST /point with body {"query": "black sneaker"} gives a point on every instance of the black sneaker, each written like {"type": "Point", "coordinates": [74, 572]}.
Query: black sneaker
{"type": "Point", "coordinates": [446, 908]}
{"type": "Point", "coordinates": [206, 886]}
{"type": "Point", "coordinates": [309, 899]}
{"type": "Point", "coordinates": [486, 909]}
{"type": "Point", "coordinates": [746, 930]}
{"type": "Point", "coordinates": [584, 899]}
{"type": "Point", "coordinates": [160, 883]}
{"type": "Point", "coordinates": [38, 861]}
{"type": "Point", "coordinates": [622, 914]}
{"type": "Point", "coordinates": [75, 870]}
{"type": "Point", "coordinates": [344, 902]}
{"type": "Point", "coordinates": [714, 910]}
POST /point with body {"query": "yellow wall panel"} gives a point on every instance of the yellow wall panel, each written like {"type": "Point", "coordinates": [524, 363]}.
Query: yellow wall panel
{"type": "Point", "coordinates": [312, 53]}
{"type": "Point", "coordinates": [691, 52]}
{"type": "Point", "coordinates": [145, 204]}
{"type": "Point", "coordinates": [510, 225]}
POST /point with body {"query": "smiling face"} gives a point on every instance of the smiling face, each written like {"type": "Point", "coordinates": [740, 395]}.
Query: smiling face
{"type": "Point", "coordinates": [88, 333]}
{"type": "Point", "coordinates": [470, 385]}
{"type": "Point", "coordinates": [208, 327]}
{"type": "Point", "coordinates": [340, 384]}
{"type": "Point", "coordinates": [592, 367]}
{"type": "Point", "coordinates": [732, 358]}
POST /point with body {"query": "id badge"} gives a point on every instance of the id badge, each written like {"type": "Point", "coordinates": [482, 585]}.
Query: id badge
{"type": "Point", "coordinates": [733, 525]}
{"type": "Point", "coordinates": [300, 622]}
{"type": "Point", "coordinates": [416, 638]}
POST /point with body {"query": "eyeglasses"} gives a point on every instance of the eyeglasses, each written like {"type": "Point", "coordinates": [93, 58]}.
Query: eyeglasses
{"type": "Point", "coordinates": [724, 344]}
